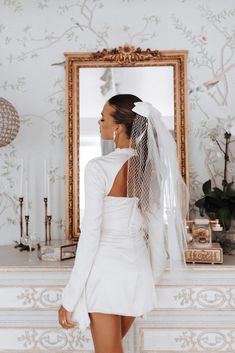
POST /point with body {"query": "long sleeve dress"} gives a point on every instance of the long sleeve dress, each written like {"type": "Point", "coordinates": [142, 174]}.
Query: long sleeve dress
{"type": "Point", "coordinates": [112, 271]}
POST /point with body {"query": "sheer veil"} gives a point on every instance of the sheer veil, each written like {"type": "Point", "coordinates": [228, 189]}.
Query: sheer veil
{"type": "Point", "coordinates": [154, 177]}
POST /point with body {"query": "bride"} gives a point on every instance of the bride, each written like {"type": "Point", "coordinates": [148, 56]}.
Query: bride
{"type": "Point", "coordinates": [133, 225]}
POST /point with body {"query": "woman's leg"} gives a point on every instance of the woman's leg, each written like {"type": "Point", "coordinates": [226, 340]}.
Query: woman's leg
{"type": "Point", "coordinates": [126, 322]}
{"type": "Point", "coordinates": [106, 330]}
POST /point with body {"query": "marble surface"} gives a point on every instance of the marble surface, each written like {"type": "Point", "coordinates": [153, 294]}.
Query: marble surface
{"type": "Point", "coordinates": [12, 259]}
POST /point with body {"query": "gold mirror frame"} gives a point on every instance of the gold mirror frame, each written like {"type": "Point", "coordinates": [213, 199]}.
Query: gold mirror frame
{"type": "Point", "coordinates": [118, 57]}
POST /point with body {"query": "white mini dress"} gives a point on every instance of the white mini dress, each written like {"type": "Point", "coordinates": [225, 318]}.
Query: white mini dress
{"type": "Point", "coordinates": [112, 272]}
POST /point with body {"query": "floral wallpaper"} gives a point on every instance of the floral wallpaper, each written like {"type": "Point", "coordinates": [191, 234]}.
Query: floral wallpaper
{"type": "Point", "coordinates": [33, 37]}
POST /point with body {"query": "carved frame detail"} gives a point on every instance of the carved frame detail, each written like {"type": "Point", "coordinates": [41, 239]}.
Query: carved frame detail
{"type": "Point", "coordinates": [125, 56]}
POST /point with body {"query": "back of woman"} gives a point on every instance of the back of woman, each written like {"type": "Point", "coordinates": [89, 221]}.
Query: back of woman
{"type": "Point", "coordinates": [112, 281]}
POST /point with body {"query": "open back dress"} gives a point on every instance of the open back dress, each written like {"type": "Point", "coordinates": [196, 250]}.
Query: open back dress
{"type": "Point", "coordinates": [112, 272]}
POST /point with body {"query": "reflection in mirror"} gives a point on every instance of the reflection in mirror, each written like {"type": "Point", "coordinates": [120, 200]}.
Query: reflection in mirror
{"type": "Point", "coordinates": [159, 77]}
{"type": "Point", "coordinates": [97, 85]}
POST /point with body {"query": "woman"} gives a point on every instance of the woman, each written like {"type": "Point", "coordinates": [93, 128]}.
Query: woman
{"type": "Point", "coordinates": [112, 281]}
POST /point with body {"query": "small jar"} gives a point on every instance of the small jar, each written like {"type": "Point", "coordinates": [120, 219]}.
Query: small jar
{"type": "Point", "coordinates": [201, 232]}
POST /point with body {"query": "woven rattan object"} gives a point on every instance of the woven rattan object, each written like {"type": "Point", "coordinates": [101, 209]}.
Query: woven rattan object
{"type": "Point", "coordinates": [9, 122]}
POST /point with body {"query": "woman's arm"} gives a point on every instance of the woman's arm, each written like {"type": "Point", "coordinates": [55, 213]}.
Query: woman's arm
{"type": "Point", "coordinates": [90, 235]}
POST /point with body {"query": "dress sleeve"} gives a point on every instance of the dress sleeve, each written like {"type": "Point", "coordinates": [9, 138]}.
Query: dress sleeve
{"type": "Point", "coordinates": [90, 235]}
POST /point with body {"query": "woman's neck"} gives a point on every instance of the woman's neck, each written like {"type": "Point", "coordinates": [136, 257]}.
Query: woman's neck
{"type": "Point", "coordinates": [123, 144]}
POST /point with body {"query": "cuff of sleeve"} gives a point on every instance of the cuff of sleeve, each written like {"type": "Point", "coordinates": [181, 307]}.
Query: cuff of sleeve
{"type": "Point", "coordinates": [66, 302]}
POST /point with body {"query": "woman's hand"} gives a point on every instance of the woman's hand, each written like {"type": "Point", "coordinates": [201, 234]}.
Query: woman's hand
{"type": "Point", "coordinates": [65, 318]}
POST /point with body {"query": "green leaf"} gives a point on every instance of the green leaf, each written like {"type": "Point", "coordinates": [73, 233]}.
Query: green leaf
{"type": "Point", "coordinates": [200, 203]}
{"type": "Point", "coordinates": [225, 196]}
{"type": "Point", "coordinates": [217, 202]}
{"type": "Point", "coordinates": [225, 217]}
{"type": "Point", "coordinates": [201, 211]}
{"type": "Point", "coordinates": [230, 193]}
{"type": "Point", "coordinates": [218, 192]}
{"type": "Point", "coordinates": [232, 201]}
{"type": "Point", "coordinates": [233, 213]}
{"type": "Point", "coordinates": [212, 194]}
{"type": "Point", "coordinates": [206, 187]}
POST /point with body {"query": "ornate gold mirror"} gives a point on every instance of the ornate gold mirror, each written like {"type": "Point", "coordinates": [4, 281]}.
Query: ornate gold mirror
{"type": "Point", "coordinates": [158, 77]}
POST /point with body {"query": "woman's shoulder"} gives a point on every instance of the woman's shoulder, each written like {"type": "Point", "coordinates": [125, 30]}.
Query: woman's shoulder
{"type": "Point", "coordinates": [98, 169]}
{"type": "Point", "coordinates": [101, 161]}
{"type": "Point", "coordinates": [104, 162]}
{"type": "Point", "coordinates": [97, 164]}
{"type": "Point", "coordinates": [105, 168]}
{"type": "Point", "coordinates": [107, 164]}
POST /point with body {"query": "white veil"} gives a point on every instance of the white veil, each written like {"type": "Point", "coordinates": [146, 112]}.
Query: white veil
{"type": "Point", "coordinates": [154, 177]}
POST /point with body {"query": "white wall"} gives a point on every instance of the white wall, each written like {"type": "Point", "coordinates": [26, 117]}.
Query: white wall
{"type": "Point", "coordinates": [35, 34]}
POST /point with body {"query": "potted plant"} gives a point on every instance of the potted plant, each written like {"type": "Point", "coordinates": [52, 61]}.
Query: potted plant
{"type": "Point", "coordinates": [216, 202]}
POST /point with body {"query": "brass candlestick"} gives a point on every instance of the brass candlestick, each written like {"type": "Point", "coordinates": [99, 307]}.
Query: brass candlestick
{"type": "Point", "coordinates": [49, 228]}
{"type": "Point", "coordinates": [27, 226]}
{"type": "Point", "coordinates": [27, 247]}
{"type": "Point", "coordinates": [22, 246]}
{"type": "Point", "coordinates": [19, 244]}
{"type": "Point", "coordinates": [21, 200]}
{"type": "Point", "coordinates": [45, 220]}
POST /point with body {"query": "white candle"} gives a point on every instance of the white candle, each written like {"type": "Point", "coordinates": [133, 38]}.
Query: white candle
{"type": "Point", "coordinates": [45, 178]}
{"type": "Point", "coordinates": [26, 198]}
{"type": "Point", "coordinates": [21, 177]}
{"type": "Point", "coordinates": [48, 196]}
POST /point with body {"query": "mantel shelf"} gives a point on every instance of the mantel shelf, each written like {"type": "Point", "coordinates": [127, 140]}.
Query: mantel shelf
{"type": "Point", "coordinates": [12, 259]}
{"type": "Point", "coordinates": [200, 307]}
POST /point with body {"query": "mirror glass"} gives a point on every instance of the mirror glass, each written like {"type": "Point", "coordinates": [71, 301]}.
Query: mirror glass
{"type": "Point", "coordinates": [158, 77]}
{"type": "Point", "coordinates": [96, 85]}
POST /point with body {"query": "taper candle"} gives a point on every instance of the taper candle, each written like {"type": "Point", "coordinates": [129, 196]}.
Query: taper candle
{"type": "Point", "coordinates": [21, 177]}
{"type": "Point", "coordinates": [48, 196]}
{"type": "Point", "coordinates": [45, 178]}
{"type": "Point", "coordinates": [26, 198]}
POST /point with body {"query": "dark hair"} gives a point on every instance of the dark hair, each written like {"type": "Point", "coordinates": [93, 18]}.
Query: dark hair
{"type": "Point", "coordinates": [123, 114]}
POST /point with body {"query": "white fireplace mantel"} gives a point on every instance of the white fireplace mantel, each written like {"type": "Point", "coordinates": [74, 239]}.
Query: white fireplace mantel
{"type": "Point", "coordinates": [196, 314]}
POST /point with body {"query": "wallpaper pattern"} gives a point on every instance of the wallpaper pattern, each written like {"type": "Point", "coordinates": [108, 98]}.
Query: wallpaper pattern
{"type": "Point", "coordinates": [33, 37]}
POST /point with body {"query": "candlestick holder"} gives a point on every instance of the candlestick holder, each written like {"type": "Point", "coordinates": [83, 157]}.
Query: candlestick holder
{"type": "Point", "coordinates": [27, 226]}
{"type": "Point", "coordinates": [25, 242]}
{"type": "Point", "coordinates": [45, 218]}
{"type": "Point", "coordinates": [19, 245]}
{"type": "Point", "coordinates": [21, 200]}
{"type": "Point", "coordinates": [49, 218]}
